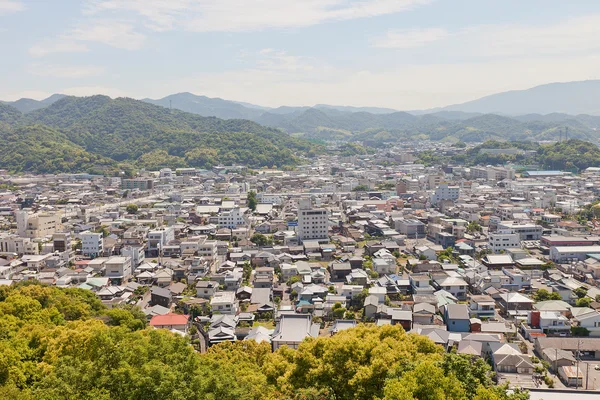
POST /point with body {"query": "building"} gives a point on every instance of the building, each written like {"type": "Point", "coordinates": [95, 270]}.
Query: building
{"type": "Point", "coordinates": [562, 254]}
{"type": "Point", "coordinates": [504, 240]}
{"type": "Point", "coordinates": [137, 183]}
{"type": "Point", "coordinates": [232, 218]}
{"type": "Point", "coordinates": [10, 243]}
{"type": "Point", "coordinates": [292, 329]}
{"type": "Point", "coordinates": [457, 318]}
{"type": "Point", "coordinates": [136, 253]}
{"type": "Point", "coordinates": [571, 375]}
{"type": "Point", "coordinates": [118, 269]}
{"type": "Point", "coordinates": [313, 223]}
{"type": "Point", "coordinates": [445, 192]}
{"type": "Point", "coordinates": [412, 228]}
{"type": "Point", "coordinates": [92, 244]}
{"type": "Point", "coordinates": [178, 322]}
{"type": "Point", "coordinates": [526, 231]}
{"type": "Point", "coordinates": [159, 238]}
{"type": "Point", "coordinates": [37, 225]}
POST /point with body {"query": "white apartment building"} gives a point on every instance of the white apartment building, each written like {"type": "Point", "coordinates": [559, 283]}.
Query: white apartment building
{"type": "Point", "coordinates": [10, 243]}
{"type": "Point", "coordinates": [136, 253]}
{"type": "Point", "coordinates": [504, 240]}
{"type": "Point", "coordinates": [313, 223]}
{"type": "Point", "coordinates": [37, 225]}
{"type": "Point", "coordinates": [445, 192]}
{"type": "Point", "coordinates": [118, 269]}
{"type": "Point", "coordinates": [232, 218]}
{"type": "Point", "coordinates": [159, 238]}
{"type": "Point", "coordinates": [92, 244]}
{"type": "Point", "coordinates": [526, 231]}
{"type": "Point", "coordinates": [269, 198]}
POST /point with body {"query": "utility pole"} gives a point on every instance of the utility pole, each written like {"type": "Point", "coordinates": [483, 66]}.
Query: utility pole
{"type": "Point", "coordinates": [587, 376]}
{"type": "Point", "coordinates": [577, 373]}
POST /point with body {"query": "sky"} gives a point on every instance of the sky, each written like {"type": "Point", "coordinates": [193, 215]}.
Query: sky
{"type": "Point", "coordinates": [401, 54]}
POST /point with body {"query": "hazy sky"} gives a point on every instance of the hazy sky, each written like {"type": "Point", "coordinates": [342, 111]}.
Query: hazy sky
{"type": "Point", "coordinates": [404, 54]}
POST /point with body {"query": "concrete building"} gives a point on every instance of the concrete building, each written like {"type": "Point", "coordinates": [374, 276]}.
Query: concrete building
{"type": "Point", "coordinates": [92, 244]}
{"type": "Point", "coordinates": [37, 225]}
{"type": "Point", "coordinates": [159, 238]}
{"type": "Point", "coordinates": [118, 269]}
{"type": "Point", "coordinates": [445, 192]}
{"type": "Point", "coordinates": [504, 240]}
{"type": "Point", "coordinates": [562, 254]}
{"type": "Point", "coordinates": [526, 231]}
{"type": "Point", "coordinates": [232, 218]}
{"type": "Point", "coordinates": [137, 183]}
{"type": "Point", "coordinates": [136, 253]}
{"type": "Point", "coordinates": [313, 223]}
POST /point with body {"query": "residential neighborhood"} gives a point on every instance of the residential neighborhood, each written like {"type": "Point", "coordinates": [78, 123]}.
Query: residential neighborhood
{"type": "Point", "coordinates": [496, 263]}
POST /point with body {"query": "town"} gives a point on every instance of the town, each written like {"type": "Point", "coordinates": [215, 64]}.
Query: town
{"type": "Point", "coordinates": [488, 261]}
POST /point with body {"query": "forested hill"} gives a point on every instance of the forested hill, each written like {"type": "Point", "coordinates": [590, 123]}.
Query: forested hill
{"type": "Point", "coordinates": [64, 344]}
{"type": "Point", "coordinates": [144, 135]}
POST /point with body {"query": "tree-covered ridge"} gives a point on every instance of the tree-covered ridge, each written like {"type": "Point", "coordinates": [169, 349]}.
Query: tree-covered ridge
{"type": "Point", "coordinates": [8, 114]}
{"type": "Point", "coordinates": [42, 149]}
{"type": "Point", "coordinates": [64, 344]}
{"type": "Point", "coordinates": [573, 155]}
{"type": "Point", "coordinates": [145, 135]}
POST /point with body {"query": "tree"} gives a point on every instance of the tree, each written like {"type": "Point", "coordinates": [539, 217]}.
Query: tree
{"type": "Point", "coordinates": [543, 295]}
{"type": "Point", "coordinates": [360, 188]}
{"type": "Point", "coordinates": [473, 227]}
{"type": "Point", "coordinates": [580, 292]}
{"type": "Point", "coordinates": [252, 202]}
{"type": "Point", "coordinates": [583, 302]}
{"type": "Point", "coordinates": [260, 240]}
{"type": "Point", "coordinates": [132, 209]}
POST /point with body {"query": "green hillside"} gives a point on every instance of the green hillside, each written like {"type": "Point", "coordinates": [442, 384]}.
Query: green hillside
{"type": "Point", "coordinates": [107, 132]}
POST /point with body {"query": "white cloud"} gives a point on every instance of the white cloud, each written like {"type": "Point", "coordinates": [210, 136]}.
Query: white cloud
{"type": "Point", "coordinates": [293, 80]}
{"type": "Point", "coordinates": [57, 45]}
{"type": "Point", "coordinates": [64, 71]}
{"type": "Point", "coordinates": [112, 33]}
{"type": "Point", "coordinates": [10, 6]}
{"type": "Point", "coordinates": [572, 35]}
{"type": "Point", "coordinates": [118, 34]}
{"type": "Point", "coordinates": [245, 15]}
{"type": "Point", "coordinates": [408, 38]}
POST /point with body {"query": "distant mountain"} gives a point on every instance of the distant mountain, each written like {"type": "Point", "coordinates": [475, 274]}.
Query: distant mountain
{"type": "Point", "coordinates": [372, 110]}
{"type": "Point", "coordinates": [208, 107]}
{"type": "Point", "coordinates": [98, 134]}
{"type": "Point", "coordinates": [27, 105]}
{"type": "Point", "coordinates": [573, 98]}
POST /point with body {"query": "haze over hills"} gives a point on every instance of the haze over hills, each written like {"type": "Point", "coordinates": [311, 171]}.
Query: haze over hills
{"type": "Point", "coordinates": [27, 105]}
{"type": "Point", "coordinates": [582, 97]}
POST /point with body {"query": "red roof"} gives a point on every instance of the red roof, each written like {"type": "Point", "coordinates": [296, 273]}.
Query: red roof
{"type": "Point", "coordinates": [169, 319]}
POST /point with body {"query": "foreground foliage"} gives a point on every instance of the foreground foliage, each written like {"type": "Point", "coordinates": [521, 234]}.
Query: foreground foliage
{"type": "Point", "coordinates": [63, 344]}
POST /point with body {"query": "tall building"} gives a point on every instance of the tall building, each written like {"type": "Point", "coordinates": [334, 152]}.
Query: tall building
{"type": "Point", "coordinates": [37, 225]}
{"type": "Point", "coordinates": [445, 192]}
{"type": "Point", "coordinates": [312, 222]}
{"type": "Point", "coordinates": [92, 244]}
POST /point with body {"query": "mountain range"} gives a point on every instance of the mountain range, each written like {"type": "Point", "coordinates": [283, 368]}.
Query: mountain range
{"type": "Point", "coordinates": [103, 135]}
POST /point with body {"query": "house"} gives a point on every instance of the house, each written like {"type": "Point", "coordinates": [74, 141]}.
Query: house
{"type": "Point", "coordinates": [221, 334]}
{"type": "Point", "coordinates": [292, 329]}
{"type": "Point", "coordinates": [482, 306]}
{"type": "Point", "coordinates": [423, 313]}
{"type": "Point", "coordinates": [589, 320]}
{"type": "Point", "coordinates": [509, 359]}
{"type": "Point", "coordinates": [470, 347]}
{"type": "Point", "coordinates": [571, 375]}
{"type": "Point", "coordinates": [454, 285]}
{"type": "Point", "coordinates": [339, 270]}
{"type": "Point", "coordinates": [224, 303]}
{"type": "Point", "coordinates": [177, 322]}
{"type": "Point", "coordinates": [342, 325]}
{"type": "Point", "coordinates": [457, 318]}
{"type": "Point", "coordinates": [260, 334]}
{"type": "Point", "coordinates": [206, 289]}
{"type": "Point", "coordinates": [514, 304]}
{"type": "Point", "coordinates": [371, 306]}
{"type": "Point", "coordinates": [558, 358]}
{"type": "Point", "coordinates": [401, 317]}
{"type": "Point", "coordinates": [160, 296]}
